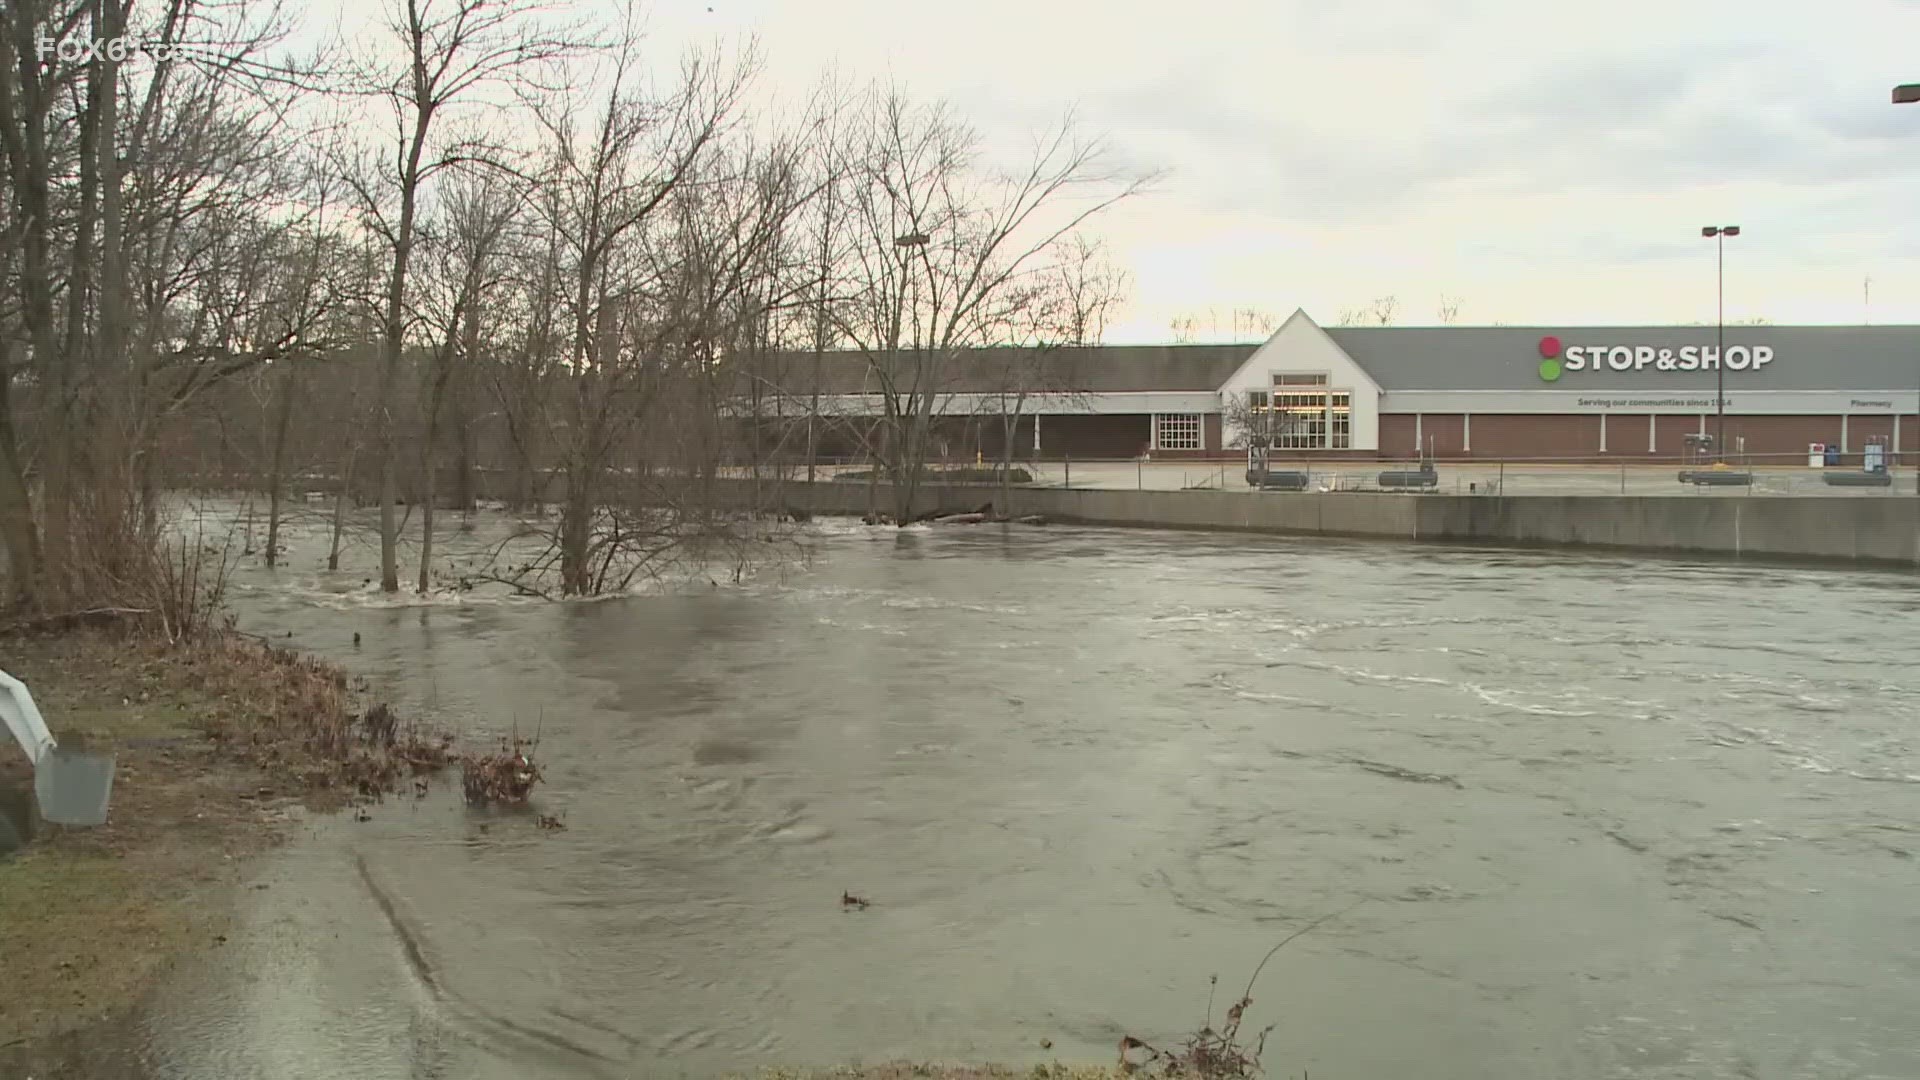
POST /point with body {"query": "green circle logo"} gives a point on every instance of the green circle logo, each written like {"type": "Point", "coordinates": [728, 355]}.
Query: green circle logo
{"type": "Point", "coordinates": [1549, 370]}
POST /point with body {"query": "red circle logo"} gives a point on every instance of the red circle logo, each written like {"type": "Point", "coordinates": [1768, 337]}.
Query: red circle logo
{"type": "Point", "coordinates": [1549, 346]}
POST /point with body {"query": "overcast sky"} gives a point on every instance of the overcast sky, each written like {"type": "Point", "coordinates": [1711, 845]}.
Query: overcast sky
{"type": "Point", "coordinates": [1545, 163]}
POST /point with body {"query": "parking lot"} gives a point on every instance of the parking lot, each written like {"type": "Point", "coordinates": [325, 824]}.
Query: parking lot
{"type": "Point", "coordinates": [1777, 477]}
{"type": "Point", "coordinates": [1464, 478]}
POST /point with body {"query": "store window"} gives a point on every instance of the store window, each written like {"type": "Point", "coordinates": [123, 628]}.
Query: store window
{"type": "Point", "coordinates": [1300, 421]}
{"type": "Point", "coordinates": [1304, 413]}
{"type": "Point", "coordinates": [1176, 431]}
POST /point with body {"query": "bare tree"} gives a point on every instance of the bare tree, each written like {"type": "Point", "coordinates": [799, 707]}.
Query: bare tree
{"type": "Point", "coordinates": [1066, 311]}
{"type": "Point", "coordinates": [943, 255]}
{"type": "Point", "coordinates": [1381, 312]}
{"type": "Point", "coordinates": [1448, 312]}
{"type": "Point", "coordinates": [638, 304]}
{"type": "Point", "coordinates": [477, 216]}
{"type": "Point", "coordinates": [817, 244]}
{"type": "Point", "coordinates": [1242, 322]}
{"type": "Point", "coordinates": [452, 53]}
{"type": "Point", "coordinates": [1254, 322]}
{"type": "Point", "coordinates": [145, 254]}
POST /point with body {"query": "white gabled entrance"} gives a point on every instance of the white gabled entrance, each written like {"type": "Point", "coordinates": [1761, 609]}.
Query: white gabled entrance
{"type": "Point", "coordinates": [1307, 389]}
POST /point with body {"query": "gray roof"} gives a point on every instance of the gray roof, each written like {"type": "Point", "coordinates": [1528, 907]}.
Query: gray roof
{"type": "Point", "coordinates": [1438, 358]}
{"type": "Point", "coordinates": [1508, 357]}
{"type": "Point", "coordinates": [1101, 369]}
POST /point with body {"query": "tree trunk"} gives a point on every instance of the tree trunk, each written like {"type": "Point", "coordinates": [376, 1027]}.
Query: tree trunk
{"type": "Point", "coordinates": [17, 530]}
{"type": "Point", "coordinates": [529, 498]}
{"type": "Point", "coordinates": [873, 473]}
{"type": "Point", "coordinates": [454, 392]}
{"type": "Point", "coordinates": [813, 448]}
{"type": "Point", "coordinates": [576, 527]}
{"type": "Point", "coordinates": [149, 490]}
{"type": "Point", "coordinates": [1006, 465]}
{"type": "Point", "coordinates": [340, 507]}
{"type": "Point", "coordinates": [394, 330]}
{"type": "Point", "coordinates": [389, 491]}
{"type": "Point", "coordinates": [426, 530]}
{"type": "Point", "coordinates": [463, 487]}
{"type": "Point", "coordinates": [276, 480]}
{"type": "Point", "coordinates": [427, 470]}
{"type": "Point", "coordinates": [33, 224]}
{"type": "Point", "coordinates": [910, 456]}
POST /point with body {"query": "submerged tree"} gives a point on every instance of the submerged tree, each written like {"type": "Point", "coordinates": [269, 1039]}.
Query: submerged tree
{"type": "Point", "coordinates": [442, 54]}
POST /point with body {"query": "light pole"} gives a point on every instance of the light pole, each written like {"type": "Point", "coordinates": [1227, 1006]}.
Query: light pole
{"type": "Point", "coordinates": [1719, 234]}
{"type": "Point", "coordinates": [1907, 95]}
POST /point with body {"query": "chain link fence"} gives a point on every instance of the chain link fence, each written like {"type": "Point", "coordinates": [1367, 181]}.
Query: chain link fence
{"type": "Point", "coordinates": [1883, 475]}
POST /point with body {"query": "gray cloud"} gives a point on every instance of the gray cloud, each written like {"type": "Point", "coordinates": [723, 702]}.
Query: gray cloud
{"type": "Point", "coordinates": [1648, 121]}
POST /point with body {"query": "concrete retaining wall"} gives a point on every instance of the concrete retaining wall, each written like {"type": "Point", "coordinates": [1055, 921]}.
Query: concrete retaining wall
{"type": "Point", "coordinates": [1884, 530]}
{"type": "Point", "coordinates": [1852, 529]}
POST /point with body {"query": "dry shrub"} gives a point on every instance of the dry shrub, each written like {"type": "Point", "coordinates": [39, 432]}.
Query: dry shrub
{"type": "Point", "coordinates": [506, 775]}
{"type": "Point", "coordinates": [294, 715]}
{"type": "Point", "coordinates": [121, 568]}
{"type": "Point", "coordinates": [1208, 1054]}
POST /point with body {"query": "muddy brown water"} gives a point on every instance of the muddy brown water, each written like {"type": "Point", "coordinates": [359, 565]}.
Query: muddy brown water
{"type": "Point", "coordinates": [1612, 818]}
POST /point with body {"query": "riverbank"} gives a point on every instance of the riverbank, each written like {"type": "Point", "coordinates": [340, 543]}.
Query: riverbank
{"type": "Point", "coordinates": [217, 762]}
{"type": "Point", "coordinates": [221, 746]}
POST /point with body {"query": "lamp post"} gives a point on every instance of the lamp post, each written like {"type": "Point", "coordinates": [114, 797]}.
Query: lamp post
{"type": "Point", "coordinates": [1907, 95]}
{"type": "Point", "coordinates": [907, 243]}
{"type": "Point", "coordinates": [1719, 234]}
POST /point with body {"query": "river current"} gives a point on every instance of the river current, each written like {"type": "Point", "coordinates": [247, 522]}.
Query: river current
{"type": "Point", "coordinates": [1602, 817]}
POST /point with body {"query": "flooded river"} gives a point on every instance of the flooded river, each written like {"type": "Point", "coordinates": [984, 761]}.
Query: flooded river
{"type": "Point", "coordinates": [1610, 818]}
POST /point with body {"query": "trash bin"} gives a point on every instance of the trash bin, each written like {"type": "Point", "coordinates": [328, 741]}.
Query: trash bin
{"type": "Point", "coordinates": [1833, 455]}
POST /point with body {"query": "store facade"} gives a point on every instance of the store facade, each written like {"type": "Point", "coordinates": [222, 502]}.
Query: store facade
{"type": "Point", "coordinates": [1535, 393]}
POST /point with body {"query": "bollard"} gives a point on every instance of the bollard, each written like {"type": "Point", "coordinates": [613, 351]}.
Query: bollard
{"type": "Point", "coordinates": [1139, 474]}
{"type": "Point", "coordinates": [1623, 478]}
{"type": "Point", "coordinates": [1069, 480]}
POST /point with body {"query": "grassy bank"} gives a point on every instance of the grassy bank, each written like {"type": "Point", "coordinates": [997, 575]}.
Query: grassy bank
{"type": "Point", "coordinates": [219, 745]}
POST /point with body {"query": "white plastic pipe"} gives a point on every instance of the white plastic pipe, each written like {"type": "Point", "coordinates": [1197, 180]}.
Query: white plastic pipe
{"type": "Point", "coordinates": [23, 719]}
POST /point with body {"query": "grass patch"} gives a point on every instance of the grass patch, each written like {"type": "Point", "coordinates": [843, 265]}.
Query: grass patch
{"type": "Point", "coordinates": [217, 743]}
